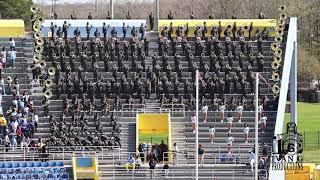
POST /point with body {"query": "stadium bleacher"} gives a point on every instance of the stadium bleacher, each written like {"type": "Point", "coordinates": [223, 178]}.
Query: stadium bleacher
{"type": "Point", "coordinates": [96, 88]}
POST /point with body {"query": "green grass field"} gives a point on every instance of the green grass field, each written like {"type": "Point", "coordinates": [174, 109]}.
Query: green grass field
{"type": "Point", "coordinates": [155, 138]}
{"type": "Point", "coordinates": [309, 127]}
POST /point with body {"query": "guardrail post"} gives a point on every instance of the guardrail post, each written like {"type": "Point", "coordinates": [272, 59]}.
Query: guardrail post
{"type": "Point", "coordinates": [318, 139]}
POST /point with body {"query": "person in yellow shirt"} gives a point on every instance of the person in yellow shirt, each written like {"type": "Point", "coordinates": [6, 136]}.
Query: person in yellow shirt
{"type": "Point", "coordinates": [3, 121]}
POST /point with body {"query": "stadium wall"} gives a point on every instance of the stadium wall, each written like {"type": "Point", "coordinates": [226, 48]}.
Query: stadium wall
{"type": "Point", "coordinates": [11, 28]}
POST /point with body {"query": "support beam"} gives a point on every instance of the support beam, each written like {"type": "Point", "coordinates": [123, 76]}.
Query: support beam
{"type": "Point", "coordinates": [157, 12]}
{"type": "Point", "coordinates": [197, 125]}
{"type": "Point", "coordinates": [256, 150]}
{"type": "Point", "coordinates": [111, 8]}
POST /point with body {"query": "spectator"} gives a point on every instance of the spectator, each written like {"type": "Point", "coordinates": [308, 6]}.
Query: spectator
{"type": "Point", "coordinates": [11, 58]}
{"type": "Point", "coordinates": [130, 163]}
{"type": "Point", "coordinates": [229, 119]}
{"type": "Point", "coordinates": [260, 110]}
{"type": "Point", "coordinates": [265, 151]}
{"type": "Point", "coordinates": [246, 131]}
{"type": "Point", "coordinates": [205, 112]}
{"type": "Point", "coordinates": [6, 141]}
{"type": "Point", "coordinates": [89, 16]}
{"type": "Point", "coordinates": [230, 140]}
{"type": "Point", "coordinates": [166, 170]}
{"type": "Point", "coordinates": [211, 133]}
{"type": "Point", "coordinates": [263, 121]}
{"type": "Point", "coordinates": [3, 123]}
{"type": "Point", "coordinates": [193, 120]}
{"type": "Point", "coordinates": [201, 154]}
{"type": "Point", "coordinates": [175, 153]}
{"type": "Point", "coordinates": [3, 57]}
{"type": "Point", "coordinates": [2, 87]}
{"type": "Point", "coordinates": [14, 126]}
{"type": "Point", "coordinates": [252, 158]}
{"type": "Point", "coordinates": [138, 162]}
{"type": "Point", "coordinates": [152, 165]}
{"type": "Point", "coordinates": [12, 44]}
{"type": "Point", "coordinates": [13, 141]}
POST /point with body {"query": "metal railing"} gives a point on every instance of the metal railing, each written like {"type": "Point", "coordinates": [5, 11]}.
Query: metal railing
{"type": "Point", "coordinates": [176, 110]}
{"type": "Point", "coordinates": [130, 110]}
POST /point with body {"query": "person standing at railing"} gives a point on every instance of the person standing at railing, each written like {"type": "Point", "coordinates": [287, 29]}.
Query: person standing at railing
{"type": "Point", "coordinates": [193, 120]}
{"type": "Point", "coordinates": [252, 158]}
{"type": "Point", "coordinates": [239, 110]}
{"type": "Point", "coordinates": [12, 43]}
{"type": "Point", "coordinates": [205, 112]}
{"type": "Point", "coordinates": [246, 131]}
{"type": "Point", "coordinates": [130, 163]}
{"type": "Point", "coordinates": [201, 154]}
{"type": "Point", "coordinates": [229, 119]}
{"type": "Point", "coordinates": [222, 108]}
{"type": "Point", "coordinates": [3, 57]}
{"type": "Point", "coordinates": [152, 165]}
{"type": "Point", "coordinates": [211, 133]}
{"type": "Point", "coordinates": [263, 121]}
{"type": "Point", "coordinates": [166, 170]}
{"type": "Point", "coordinates": [174, 153]}
{"type": "Point", "coordinates": [11, 58]}
{"type": "Point", "coordinates": [230, 140]}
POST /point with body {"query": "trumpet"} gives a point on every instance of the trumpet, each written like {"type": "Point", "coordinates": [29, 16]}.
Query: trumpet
{"type": "Point", "coordinates": [48, 83]}
{"type": "Point", "coordinates": [283, 17]}
{"type": "Point", "coordinates": [42, 64]}
{"type": "Point", "coordinates": [276, 89]}
{"type": "Point", "coordinates": [275, 65]}
{"type": "Point", "coordinates": [278, 39]}
{"type": "Point", "coordinates": [37, 57]}
{"type": "Point", "coordinates": [275, 76]}
{"type": "Point", "coordinates": [279, 31]}
{"type": "Point", "coordinates": [48, 93]}
{"type": "Point", "coordinates": [51, 71]}
{"type": "Point", "coordinates": [38, 49]}
{"type": "Point", "coordinates": [34, 9]}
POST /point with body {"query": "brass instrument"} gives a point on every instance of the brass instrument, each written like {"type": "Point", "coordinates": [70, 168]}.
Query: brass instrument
{"type": "Point", "coordinates": [37, 35]}
{"type": "Point", "coordinates": [38, 49]}
{"type": "Point", "coordinates": [221, 56]}
{"type": "Point", "coordinates": [274, 46]}
{"type": "Point", "coordinates": [277, 58]}
{"type": "Point", "coordinates": [191, 56]}
{"type": "Point", "coordinates": [40, 42]}
{"type": "Point", "coordinates": [278, 39]}
{"type": "Point", "coordinates": [48, 93]}
{"type": "Point", "coordinates": [54, 56]}
{"type": "Point", "coordinates": [121, 53]}
{"type": "Point", "coordinates": [177, 55]}
{"type": "Point", "coordinates": [96, 54]}
{"type": "Point", "coordinates": [282, 8]}
{"type": "Point", "coordinates": [213, 55]}
{"type": "Point", "coordinates": [250, 55]}
{"type": "Point", "coordinates": [279, 31]}
{"type": "Point", "coordinates": [278, 52]}
{"type": "Point", "coordinates": [275, 65]}
{"type": "Point", "coordinates": [203, 55]}
{"type": "Point", "coordinates": [51, 71]}
{"type": "Point", "coordinates": [228, 39]}
{"type": "Point", "coordinates": [230, 55]}
{"type": "Point", "coordinates": [37, 57]}
{"type": "Point", "coordinates": [242, 39]}
{"type": "Point", "coordinates": [276, 89]}
{"type": "Point", "coordinates": [63, 55]}
{"type": "Point", "coordinates": [283, 16]}
{"type": "Point", "coordinates": [34, 9]}
{"type": "Point", "coordinates": [42, 64]}
{"type": "Point", "coordinates": [242, 55]}
{"type": "Point", "coordinates": [143, 55]}
{"type": "Point", "coordinates": [275, 76]}
{"type": "Point", "coordinates": [40, 19]}
{"type": "Point", "coordinates": [106, 54]}
{"type": "Point", "coordinates": [36, 26]}
{"type": "Point", "coordinates": [48, 83]}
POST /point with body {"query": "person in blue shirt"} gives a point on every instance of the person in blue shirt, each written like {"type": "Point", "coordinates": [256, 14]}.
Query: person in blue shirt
{"type": "Point", "coordinates": [130, 163]}
{"type": "Point", "coordinates": [11, 58]}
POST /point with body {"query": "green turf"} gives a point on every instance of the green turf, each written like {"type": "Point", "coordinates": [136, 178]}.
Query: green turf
{"type": "Point", "coordinates": [309, 127]}
{"type": "Point", "coordinates": [155, 138]}
{"type": "Point", "coordinates": [308, 117]}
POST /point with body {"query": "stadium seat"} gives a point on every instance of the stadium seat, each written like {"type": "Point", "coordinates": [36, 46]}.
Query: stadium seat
{"type": "Point", "coordinates": [22, 164]}
{"type": "Point", "coordinates": [44, 164]}
{"type": "Point", "coordinates": [59, 163]}
{"type": "Point", "coordinates": [1, 165]}
{"type": "Point", "coordinates": [29, 164]}
{"type": "Point", "coordinates": [15, 165]}
{"type": "Point", "coordinates": [36, 164]}
{"type": "Point", "coordinates": [8, 165]}
{"type": "Point", "coordinates": [65, 175]}
{"type": "Point", "coordinates": [52, 163]}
